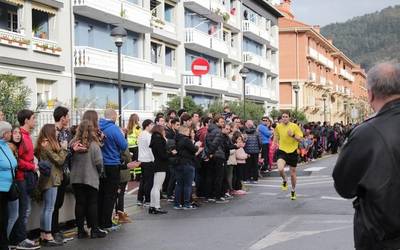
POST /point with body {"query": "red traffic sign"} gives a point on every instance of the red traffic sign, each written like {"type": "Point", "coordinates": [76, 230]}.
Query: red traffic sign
{"type": "Point", "coordinates": [200, 66]}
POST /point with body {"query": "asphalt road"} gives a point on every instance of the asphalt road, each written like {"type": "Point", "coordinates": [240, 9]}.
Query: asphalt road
{"type": "Point", "coordinates": [265, 218]}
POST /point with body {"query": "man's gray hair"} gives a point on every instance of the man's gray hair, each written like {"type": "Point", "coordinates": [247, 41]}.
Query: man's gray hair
{"type": "Point", "coordinates": [110, 113]}
{"type": "Point", "coordinates": [384, 80]}
{"type": "Point", "coordinates": [4, 127]}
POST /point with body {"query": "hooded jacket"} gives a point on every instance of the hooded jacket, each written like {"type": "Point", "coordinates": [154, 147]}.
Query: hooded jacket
{"type": "Point", "coordinates": [370, 172]}
{"type": "Point", "coordinates": [8, 163]}
{"type": "Point", "coordinates": [265, 133]}
{"type": "Point", "coordinates": [25, 155]}
{"type": "Point", "coordinates": [186, 150]}
{"type": "Point", "coordinates": [215, 143]}
{"type": "Point", "coordinates": [114, 143]}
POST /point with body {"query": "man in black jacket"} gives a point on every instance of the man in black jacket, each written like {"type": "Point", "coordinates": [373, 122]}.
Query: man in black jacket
{"type": "Point", "coordinates": [368, 166]}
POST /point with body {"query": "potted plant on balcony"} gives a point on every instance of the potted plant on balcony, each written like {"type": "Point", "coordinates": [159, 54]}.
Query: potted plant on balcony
{"type": "Point", "coordinates": [226, 17]}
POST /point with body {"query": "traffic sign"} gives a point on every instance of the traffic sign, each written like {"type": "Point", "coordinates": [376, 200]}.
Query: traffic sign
{"type": "Point", "coordinates": [200, 66]}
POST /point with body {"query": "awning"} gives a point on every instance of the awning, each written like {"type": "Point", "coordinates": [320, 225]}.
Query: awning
{"type": "Point", "coordinates": [17, 2]}
{"type": "Point", "coordinates": [43, 8]}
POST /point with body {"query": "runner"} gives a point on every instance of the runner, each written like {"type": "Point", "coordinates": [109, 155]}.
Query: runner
{"type": "Point", "coordinates": [287, 136]}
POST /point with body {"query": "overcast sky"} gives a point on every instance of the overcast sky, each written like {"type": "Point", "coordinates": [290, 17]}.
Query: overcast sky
{"type": "Point", "coordinates": [323, 12]}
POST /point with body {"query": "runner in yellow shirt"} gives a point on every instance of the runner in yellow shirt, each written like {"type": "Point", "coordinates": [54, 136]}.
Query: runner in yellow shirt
{"type": "Point", "coordinates": [288, 135]}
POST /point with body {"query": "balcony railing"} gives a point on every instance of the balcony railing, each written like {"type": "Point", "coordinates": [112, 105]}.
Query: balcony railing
{"type": "Point", "coordinates": [110, 11]}
{"type": "Point", "coordinates": [256, 90]}
{"type": "Point", "coordinates": [313, 53]}
{"type": "Point", "coordinates": [322, 80]}
{"type": "Point", "coordinates": [256, 60]}
{"type": "Point", "coordinates": [208, 81]}
{"type": "Point", "coordinates": [345, 74]}
{"type": "Point", "coordinates": [194, 36]}
{"type": "Point", "coordinates": [46, 46]}
{"type": "Point", "coordinates": [312, 77]}
{"type": "Point", "coordinates": [261, 34]}
{"type": "Point", "coordinates": [13, 39]}
{"type": "Point", "coordinates": [88, 57]}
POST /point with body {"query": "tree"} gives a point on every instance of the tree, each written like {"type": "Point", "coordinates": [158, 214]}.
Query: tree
{"type": "Point", "coordinates": [188, 104]}
{"type": "Point", "coordinates": [14, 96]}
{"type": "Point", "coordinates": [253, 111]}
{"type": "Point", "coordinates": [274, 114]}
{"type": "Point", "coordinates": [299, 116]}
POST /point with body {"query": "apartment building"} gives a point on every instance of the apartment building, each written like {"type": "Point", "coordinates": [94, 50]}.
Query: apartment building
{"type": "Point", "coordinates": [164, 37]}
{"type": "Point", "coordinates": [35, 45]}
{"type": "Point", "coordinates": [316, 76]}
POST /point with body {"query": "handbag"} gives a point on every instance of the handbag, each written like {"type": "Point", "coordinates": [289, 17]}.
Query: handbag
{"type": "Point", "coordinates": [13, 193]}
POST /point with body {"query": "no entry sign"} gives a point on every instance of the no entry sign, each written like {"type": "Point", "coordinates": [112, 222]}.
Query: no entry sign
{"type": "Point", "coordinates": [200, 66]}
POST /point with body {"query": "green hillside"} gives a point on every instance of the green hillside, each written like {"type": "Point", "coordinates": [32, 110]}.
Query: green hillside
{"type": "Point", "coordinates": [368, 39]}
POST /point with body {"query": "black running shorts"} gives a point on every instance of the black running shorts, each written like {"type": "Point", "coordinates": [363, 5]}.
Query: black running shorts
{"type": "Point", "coordinates": [291, 159]}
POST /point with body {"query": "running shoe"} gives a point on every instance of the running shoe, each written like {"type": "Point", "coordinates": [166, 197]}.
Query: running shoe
{"type": "Point", "coordinates": [284, 186]}
{"type": "Point", "coordinates": [293, 195]}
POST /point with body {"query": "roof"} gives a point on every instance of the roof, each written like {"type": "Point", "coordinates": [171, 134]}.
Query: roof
{"type": "Point", "coordinates": [285, 22]}
{"type": "Point", "coordinates": [268, 6]}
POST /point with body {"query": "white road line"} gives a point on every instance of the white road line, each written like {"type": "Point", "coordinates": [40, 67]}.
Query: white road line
{"type": "Point", "coordinates": [315, 183]}
{"type": "Point", "coordinates": [277, 236]}
{"type": "Point", "coordinates": [262, 185]}
{"type": "Point", "coordinates": [133, 190]}
{"type": "Point", "coordinates": [336, 198]}
{"type": "Point", "coordinates": [269, 194]}
{"type": "Point", "coordinates": [314, 169]}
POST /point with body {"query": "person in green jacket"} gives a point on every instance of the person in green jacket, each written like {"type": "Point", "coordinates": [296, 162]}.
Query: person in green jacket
{"type": "Point", "coordinates": [50, 151]}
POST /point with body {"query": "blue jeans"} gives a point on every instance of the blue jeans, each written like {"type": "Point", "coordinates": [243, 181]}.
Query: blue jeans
{"type": "Point", "coordinates": [49, 199]}
{"type": "Point", "coordinates": [19, 233]}
{"type": "Point", "coordinates": [12, 207]}
{"type": "Point", "coordinates": [184, 178]}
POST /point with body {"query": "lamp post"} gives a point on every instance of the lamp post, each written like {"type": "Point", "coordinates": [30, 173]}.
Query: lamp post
{"type": "Point", "coordinates": [243, 73]}
{"type": "Point", "coordinates": [345, 111]}
{"type": "Point", "coordinates": [296, 89]}
{"type": "Point", "coordinates": [118, 34]}
{"type": "Point", "coordinates": [324, 96]}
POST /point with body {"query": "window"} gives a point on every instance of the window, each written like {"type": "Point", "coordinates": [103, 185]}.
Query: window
{"type": "Point", "coordinates": [155, 53]}
{"type": "Point", "coordinates": [40, 24]}
{"type": "Point", "coordinates": [44, 93]}
{"type": "Point", "coordinates": [169, 57]}
{"type": "Point", "coordinates": [12, 21]}
{"type": "Point", "coordinates": [168, 12]}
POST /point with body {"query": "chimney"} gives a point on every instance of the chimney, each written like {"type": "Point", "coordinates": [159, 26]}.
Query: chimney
{"type": "Point", "coordinates": [286, 7]}
{"type": "Point", "coordinates": [317, 28]}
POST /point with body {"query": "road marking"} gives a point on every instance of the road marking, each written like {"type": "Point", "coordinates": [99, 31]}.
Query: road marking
{"type": "Point", "coordinates": [277, 236]}
{"type": "Point", "coordinates": [315, 183]}
{"type": "Point", "coordinates": [133, 190]}
{"type": "Point", "coordinates": [269, 194]}
{"type": "Point", "coordinates": [262, 185]}
{"type": "Point", "coordinates": [314, 169]}
{"type": "Point", "coordinates": [336, 198]}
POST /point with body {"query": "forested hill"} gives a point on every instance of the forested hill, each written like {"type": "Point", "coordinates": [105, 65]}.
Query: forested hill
{"type": "Point", "coordinates": [370, 38]}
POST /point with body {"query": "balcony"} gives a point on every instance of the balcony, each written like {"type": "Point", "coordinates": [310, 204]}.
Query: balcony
{"type": "Point", "coordinates": [13, 39]}
{"type": "Point", "coordinates": [200, 41]}
{"type": "Point", "coordinates": [211, 9]}
{"type": "Point", "coordinates": [234, 55]}
{"type": "Point", "coordinates": [256, 62]}
{"type": "Point", "coordinates": [134, 17]}
{"type": "Point", "coordinates": [322, 80]}
{"type": "Point", "coordinates": [46, 46]}
{"type": "Point", "coordinates": [255, 32]}
{"type": "Point", "coordinates": [96, 62]}
{"type": "Point", "coordinates": [163, 74]}
{"type": "Point", "coordinates": [346, 75]}
{"type": "Point", "coordinates": [256, 92]}
{"type": "Point", "coordinates": [164, 30]}
{"type": "Point", "coordinates": [207, 83]}
{"type": "Point", "coordinates": [312, 53]}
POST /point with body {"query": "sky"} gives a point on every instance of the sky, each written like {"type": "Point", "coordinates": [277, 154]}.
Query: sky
{"type": "Point", "coordinates": [323, 12]}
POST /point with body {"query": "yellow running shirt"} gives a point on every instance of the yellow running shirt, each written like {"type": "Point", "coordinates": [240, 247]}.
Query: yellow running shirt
{"type": "Point", "coordinates": [287, 143]}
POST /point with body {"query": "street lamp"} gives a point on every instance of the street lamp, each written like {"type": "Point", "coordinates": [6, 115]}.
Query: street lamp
{"type": "Point", "coordinates": [118, 34]}
{"type": "Point", "coordinates": [324, 96]}
{"type": "Point", "coordinates": [296, 89]}
{"type": "Point", "coordinates": [345, 111]}
{"type": "Point", "coordinates": [243, 73]}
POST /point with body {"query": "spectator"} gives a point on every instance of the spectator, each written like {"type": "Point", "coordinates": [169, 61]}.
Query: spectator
{"type": "Point", "coordinates": [146, 159]}
{"type": "Point", "coordinates": [26, 180]}
{"type": "Point", "coordinates": [114, 145]}
{"type": "Point", "coordinates": [49, 150]}
{"type": "Point", "coordinates": [158, 147]}
{"type": "Point", "coordinates": [252, 148]}
{"type": "Point", "coordinates": [265, 132]}
{"type": "Point", "coordinates": [8, 164]}
{"type": "Point", "coordinates": [86, 168]}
